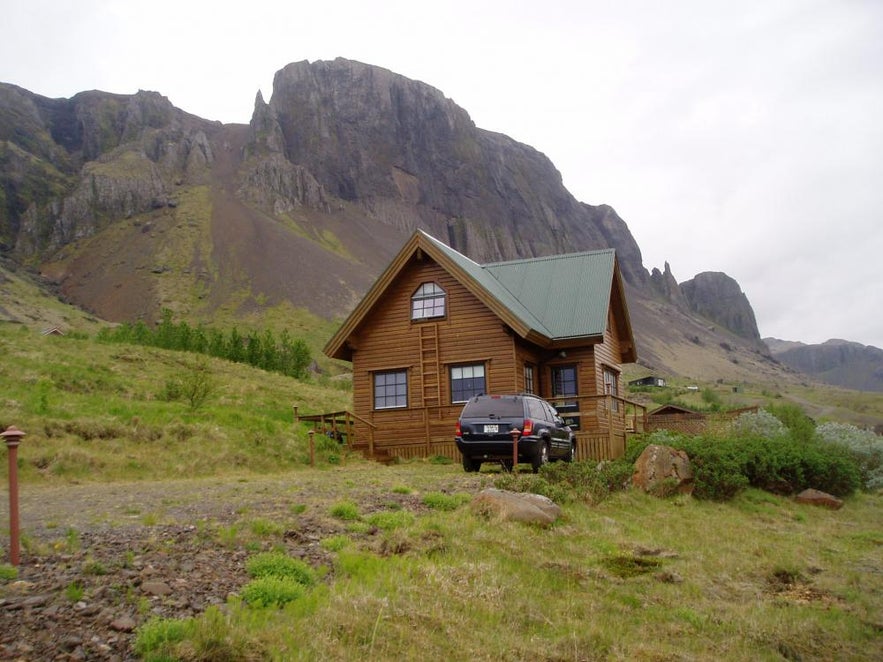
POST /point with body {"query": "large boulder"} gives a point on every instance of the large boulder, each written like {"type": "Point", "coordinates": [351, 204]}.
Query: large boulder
{"type": "Point", "coordinates": [516, 506]}
{"type": "Point", "coordinates": [663, 470]}
{"type": "Point", "coordinates": [819, 498]}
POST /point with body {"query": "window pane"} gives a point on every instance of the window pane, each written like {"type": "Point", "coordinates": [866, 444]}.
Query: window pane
{"type": "Point", "coordinates": [528, 379]}
{"type": "Point", "coordinates": [564, 380]}
{"type": "Point", "coordinates": [428, 301]}
{"type": "Point", "coordinates": [467, 381]}
{"type": "Point", "coordinates": [390, 389]}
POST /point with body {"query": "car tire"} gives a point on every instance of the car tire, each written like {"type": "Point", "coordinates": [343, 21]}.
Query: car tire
{"type": "Point", "coordinates": [471, 465]}
{"type": "Point", "coordinates": [541, 458]}
{"type": "Point", "coordinates": [571, 454]}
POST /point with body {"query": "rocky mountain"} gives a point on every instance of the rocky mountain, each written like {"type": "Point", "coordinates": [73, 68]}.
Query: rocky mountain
{"type": "Point", "coordinates": [127, 205]}
{"type": "Point", "coordinates": [838, 362]}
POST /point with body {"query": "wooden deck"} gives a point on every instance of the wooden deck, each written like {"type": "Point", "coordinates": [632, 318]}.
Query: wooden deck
{"type": "Point", "coordinates": [602, 425]}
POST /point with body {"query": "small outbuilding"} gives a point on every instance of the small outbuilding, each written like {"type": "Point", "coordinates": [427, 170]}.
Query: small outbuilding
{"type": "Point", "coordinates": [649, 380]}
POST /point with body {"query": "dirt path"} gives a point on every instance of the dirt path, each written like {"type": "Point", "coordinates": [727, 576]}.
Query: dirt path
{"type": "Point", "coordinates": [101, 559]}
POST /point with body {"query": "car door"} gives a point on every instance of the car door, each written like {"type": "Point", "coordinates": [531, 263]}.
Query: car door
{"type": "Point", "coordinates": [559, 432]}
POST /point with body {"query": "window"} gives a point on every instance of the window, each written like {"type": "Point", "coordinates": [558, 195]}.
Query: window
{"type": "Point", "coordinates": [467, 381]}
{"type": "Point", "coordinates": [528, 378]}
{"type": "Point", "coordinates": [564, 385]}
{"type": "Point", "coordinates": [564, 380]}
{"type": "Point", "coordinates": [611, 385]}
{"type": "Point", "coordinates": [611, 382]}
{"type": "Point", "coordinates": [390, 389]}
{"type": "Point", "coordinates": [428, 301]}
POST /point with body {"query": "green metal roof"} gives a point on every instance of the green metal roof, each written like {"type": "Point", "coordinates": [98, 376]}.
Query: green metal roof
{"type": "Point", "coordinates": [560, 297]}
{"type": "Point", "coordinates": [570, 293]}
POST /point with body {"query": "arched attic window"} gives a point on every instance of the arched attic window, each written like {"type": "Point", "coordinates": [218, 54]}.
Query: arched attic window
{"type": "Point", "coordinates": [427, 302]}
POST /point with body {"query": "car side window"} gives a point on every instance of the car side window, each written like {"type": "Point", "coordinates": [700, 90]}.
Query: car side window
{"type": "Point", "coordinates": [535, 409]}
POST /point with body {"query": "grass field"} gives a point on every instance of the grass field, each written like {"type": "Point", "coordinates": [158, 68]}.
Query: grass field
{"type": "Point", "coordinates": [631, 578]}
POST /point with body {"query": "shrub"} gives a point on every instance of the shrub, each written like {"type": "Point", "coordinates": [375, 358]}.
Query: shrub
{"type": "Point", "coordinates": [345, 510]}
{"type": "Point", "coordinates": [723, 467]}
{"type": "Point", "coordinates": [157, 636]}
{"type": "Point", "coordinates": [277, 564]}
{"type": "Point", "coordinates": [865, 447]}
{"type": "Point", "coordinates": [571, 481]}
{"type": "Point", "coordinates": [800, 426]}
{"type": "Point", "coordinates": [272, 591]}
{"type": "Point", "coordinates": [442, 501]}
{"type": "Point", "coordinates": [760, 424]}
{"type": "Point", "coordinates": [387, 520]}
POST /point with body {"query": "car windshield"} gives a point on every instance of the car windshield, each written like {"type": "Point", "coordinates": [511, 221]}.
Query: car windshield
{"type": "Point", "coordinates": [493, 408]}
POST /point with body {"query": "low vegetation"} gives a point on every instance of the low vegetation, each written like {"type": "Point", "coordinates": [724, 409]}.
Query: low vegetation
{"type": "Point", "coordinates": [95, 411]}
{"type": "Point", "coordinates": [406, 570]}
{"type": "Point", "coordinates": [628, 577]}
{"type": "Point", "coordinates": [259, 349]}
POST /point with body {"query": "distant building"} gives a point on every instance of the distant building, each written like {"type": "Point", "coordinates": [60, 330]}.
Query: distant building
{"type": "Point", "coordinates": [52, 331]}
{"type": "Point", "coordinates": [650, 380]}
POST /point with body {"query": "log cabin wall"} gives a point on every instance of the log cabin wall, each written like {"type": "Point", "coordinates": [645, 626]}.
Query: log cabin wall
{"type": "Point", "coordinates": [388, 339]}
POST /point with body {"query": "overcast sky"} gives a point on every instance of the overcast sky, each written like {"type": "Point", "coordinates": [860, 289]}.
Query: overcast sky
{"type": "Point", "coordinates": [743, 137]}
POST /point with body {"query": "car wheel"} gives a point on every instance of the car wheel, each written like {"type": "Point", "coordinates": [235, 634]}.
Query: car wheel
{"type": "Point", "coordinates": [471, 465]}
{"type": "Point", "coordinates": [571, 454]}
{"type": "Point", "coordinates": [541, 458]}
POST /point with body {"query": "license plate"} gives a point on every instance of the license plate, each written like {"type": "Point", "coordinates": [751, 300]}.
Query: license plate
{"type": "Point", "coordinates": [491, 428]}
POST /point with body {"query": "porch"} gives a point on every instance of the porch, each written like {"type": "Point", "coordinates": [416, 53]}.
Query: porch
{"type": "Point", "coordinates": [602, 424]}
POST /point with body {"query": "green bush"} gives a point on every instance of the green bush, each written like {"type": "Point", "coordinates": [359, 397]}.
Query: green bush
{"type": "Point", "coordinates": [774, 461]}
{"type": "Point", "coordinates": [272, 591]}
{"type": "Point", "coordinates": [155, 638]}
{"type": "Point", "coordinates": [442, 501]}
{"type": "Point", "coordinates": [345, 510]}
{"type": "Point", "coordinates": [277, 564]}
{"type": "Point", "coordinates": [865, 447]}
{"type": "Point", "coordinates": [565, 482]}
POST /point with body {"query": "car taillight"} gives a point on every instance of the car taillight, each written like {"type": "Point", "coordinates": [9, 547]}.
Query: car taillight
{"type": "Point", "coordinates": [528, 427]}
{"type": "Point", "coordinates": [457, 431]}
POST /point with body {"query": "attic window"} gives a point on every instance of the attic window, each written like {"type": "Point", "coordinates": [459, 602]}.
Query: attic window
{"type": "Point", "coordinates": [428, 301]}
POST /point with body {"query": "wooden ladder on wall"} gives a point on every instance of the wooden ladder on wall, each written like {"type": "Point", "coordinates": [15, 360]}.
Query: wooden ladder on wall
{"type": "Point", "coordinates": [429, 365]}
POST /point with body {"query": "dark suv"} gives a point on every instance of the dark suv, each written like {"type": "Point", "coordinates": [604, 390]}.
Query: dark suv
{"type": "Point", "coordinates": [484, 431]}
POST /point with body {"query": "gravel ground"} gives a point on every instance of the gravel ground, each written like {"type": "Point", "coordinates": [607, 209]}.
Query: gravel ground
{"type": "Point", "coordinates": [101, 559]}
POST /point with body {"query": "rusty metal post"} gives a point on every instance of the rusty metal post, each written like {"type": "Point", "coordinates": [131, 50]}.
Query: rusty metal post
{"type": "Point", "coordinates": [515, 434]}
{"type": "Point", "coordinates": [12, 436]}
{"type": "Point", "coordinates": [312, 433]}
{"type": "Point", "coordinates": [296, 417]}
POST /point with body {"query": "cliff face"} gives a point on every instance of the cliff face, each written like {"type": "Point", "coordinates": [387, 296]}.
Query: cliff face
{"type": "Point", "coordinates": [838, 362]}
{"type": "Point", "coordinates": [128, 205]}
{"type": "Point", "coordinates": [717, 297]}
{"type": "Point", "coordinates": [70, 167]}
{"type": "Point", "coordinates": [410, 157]}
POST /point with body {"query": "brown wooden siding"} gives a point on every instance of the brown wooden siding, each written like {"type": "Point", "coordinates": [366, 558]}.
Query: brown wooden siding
{"type": "Point", "coordinates": [388, 339]}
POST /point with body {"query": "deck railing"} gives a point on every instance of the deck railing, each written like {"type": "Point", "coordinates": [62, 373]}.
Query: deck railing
{"type": "Point", "coordinates": [340, 425]}
{"type": "Point", "coordinates": [602, 424]}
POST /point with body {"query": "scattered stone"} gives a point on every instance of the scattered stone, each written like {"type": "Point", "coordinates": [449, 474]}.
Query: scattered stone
{"type": "Point", "coordinates": [668, 577]}
{"type": "Point", "coordinates": [123, 624]}
{"type": "Point", "coordinates": [819, 498]}
{"type": "Point", "coordinates": [663, 471]}
{"type": "Point", "coordinates": [156, 588]}
{"type": "Point", "coordinates": [516, 506]}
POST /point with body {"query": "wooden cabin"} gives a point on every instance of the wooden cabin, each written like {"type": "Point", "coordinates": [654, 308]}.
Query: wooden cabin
{"type": "Point", "coordinates": [437, 328]}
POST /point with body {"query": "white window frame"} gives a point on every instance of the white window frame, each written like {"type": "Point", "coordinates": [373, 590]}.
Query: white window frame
{"type": "Point", "coordinates": [466, 371]}
{"type": "Point", "coordinates": [429, 301]}
{"type": "Point", "coordinates": [395, 390]}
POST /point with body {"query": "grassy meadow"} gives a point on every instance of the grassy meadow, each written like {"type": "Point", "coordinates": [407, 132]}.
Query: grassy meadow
{"type": "Point", "coordinates": [632, 577]}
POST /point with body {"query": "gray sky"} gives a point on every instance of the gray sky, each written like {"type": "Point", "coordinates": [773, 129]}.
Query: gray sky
{"type": "Point", "coordinates": [743, 137]}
